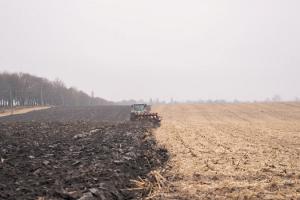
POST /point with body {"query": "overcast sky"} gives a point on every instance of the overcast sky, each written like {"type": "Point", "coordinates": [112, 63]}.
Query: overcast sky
{"type": "Point", "coordinates": [141, 49]}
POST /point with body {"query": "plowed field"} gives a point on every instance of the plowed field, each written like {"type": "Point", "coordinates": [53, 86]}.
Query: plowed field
{"type": "Point", "coordinates": [70, 153]}
{"type": "Point", "coordinates": [109, 113]}
{"type": "Point", "coordinates": [231, 151]}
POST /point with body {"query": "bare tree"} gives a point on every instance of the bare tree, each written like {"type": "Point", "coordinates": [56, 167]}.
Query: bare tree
{"type": "Point", "coordinates": [19, 89]}
{"type": "Point", "coordinates": [276, 98]}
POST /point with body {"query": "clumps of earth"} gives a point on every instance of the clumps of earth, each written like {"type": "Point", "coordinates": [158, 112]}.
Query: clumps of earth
{"type": "Point", "coordinates": [76, 159]}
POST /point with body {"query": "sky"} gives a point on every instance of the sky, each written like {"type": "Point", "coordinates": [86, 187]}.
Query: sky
{"type": "Point", "coordinates": [141, 49]}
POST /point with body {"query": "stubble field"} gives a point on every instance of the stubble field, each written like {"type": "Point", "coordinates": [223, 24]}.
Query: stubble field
{"type": "Point", "coordinates": [231, 151]}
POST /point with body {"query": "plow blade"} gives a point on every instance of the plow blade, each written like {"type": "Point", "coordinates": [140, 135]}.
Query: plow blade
{"type": "Point", "coordinates": [154, 117]}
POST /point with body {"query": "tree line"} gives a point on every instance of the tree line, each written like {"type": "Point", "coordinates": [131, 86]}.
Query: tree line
{"type": "Point", "coordinates": [22, 89]}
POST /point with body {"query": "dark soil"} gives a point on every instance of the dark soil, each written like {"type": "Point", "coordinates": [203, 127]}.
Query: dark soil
{"type": "Point", "coordinates": [75, 159]}
{"type": "Point", "coordinates": [109, 113]}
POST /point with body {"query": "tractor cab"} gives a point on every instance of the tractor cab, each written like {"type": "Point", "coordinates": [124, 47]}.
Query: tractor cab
{"type": "Point", "coordinates": [140, 108]}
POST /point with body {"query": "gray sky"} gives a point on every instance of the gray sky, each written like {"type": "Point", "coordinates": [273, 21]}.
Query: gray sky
{"type": "Point", "coordinates": [244, 49]}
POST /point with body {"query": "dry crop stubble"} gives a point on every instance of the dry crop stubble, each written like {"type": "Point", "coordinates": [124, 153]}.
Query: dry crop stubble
{"type": "Point", "coordinates": [232, 150]}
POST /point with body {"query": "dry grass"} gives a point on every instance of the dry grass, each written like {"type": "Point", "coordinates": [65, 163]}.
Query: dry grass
{"type": "Point", "coordinates": [236, 151]}
{"type": "Point", "coordinates": [150, 185]}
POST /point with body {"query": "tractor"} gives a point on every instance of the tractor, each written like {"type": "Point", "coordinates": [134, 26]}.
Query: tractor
{"type": "Point", "coordinates": [142, 112]}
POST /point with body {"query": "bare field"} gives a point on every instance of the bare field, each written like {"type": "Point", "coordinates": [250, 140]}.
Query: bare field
{"type": "Point", "coordinates": [236, 151]}
{"type": "Point", "coordinates": [85, 153]}
{"type": "Point", "coordinates": [74, 113]}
